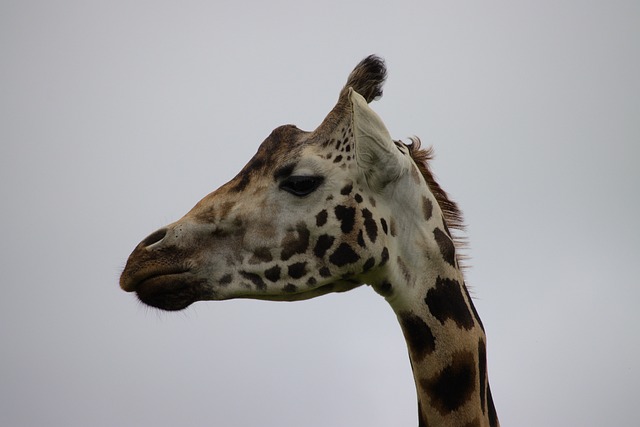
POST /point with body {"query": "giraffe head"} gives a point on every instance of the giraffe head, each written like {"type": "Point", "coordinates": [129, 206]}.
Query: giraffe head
{"type": "Point", "coordinates": [306, 216]}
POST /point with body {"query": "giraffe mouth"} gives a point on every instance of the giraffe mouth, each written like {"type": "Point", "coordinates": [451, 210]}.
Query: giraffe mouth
{"type": "Point", "coordinates": [171, 292]}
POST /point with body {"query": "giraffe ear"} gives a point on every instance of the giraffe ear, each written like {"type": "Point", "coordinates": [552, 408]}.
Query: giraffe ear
{"type": "Point", "coordinates": [376, 154]}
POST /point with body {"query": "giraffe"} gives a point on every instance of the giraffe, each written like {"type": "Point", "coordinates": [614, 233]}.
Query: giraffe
{"type": "Point", "coordinates": [327, 211]}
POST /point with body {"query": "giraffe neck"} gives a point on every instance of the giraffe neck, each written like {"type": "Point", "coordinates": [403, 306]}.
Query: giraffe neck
{"type": "Point", "coordinates": [444, 334]}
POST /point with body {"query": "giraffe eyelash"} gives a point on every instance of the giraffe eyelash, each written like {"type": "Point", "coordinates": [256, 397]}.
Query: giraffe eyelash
{"type": "Point", "coordinates": [300, 185]}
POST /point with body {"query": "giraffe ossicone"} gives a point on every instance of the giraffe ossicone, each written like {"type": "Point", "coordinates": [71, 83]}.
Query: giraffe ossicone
{"type": "Point", "coordinates": [327, 211]}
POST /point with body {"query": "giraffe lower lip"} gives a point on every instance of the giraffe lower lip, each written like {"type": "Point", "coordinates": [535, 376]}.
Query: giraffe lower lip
{"type": "Point", "coordinates": [170, 292]}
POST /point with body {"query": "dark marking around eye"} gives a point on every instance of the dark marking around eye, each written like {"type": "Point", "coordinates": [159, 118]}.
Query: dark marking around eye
{"type": "Point", "coordinates": [284, 171]}
{"type": "Point", "coordinates": [445, 301]}
{"type": "Point", "coordinates": [347, 217]}
{"type": "Point", "coordinates": [322, 245]}
{"type": "Point", "coordinates": [242, 180]}
{"type": "Point", "coordinates": [343, 255]}
{"type": "Point", "coordinates": [301, 185]}
{"type": "Point", "coordinates": [273, 273]}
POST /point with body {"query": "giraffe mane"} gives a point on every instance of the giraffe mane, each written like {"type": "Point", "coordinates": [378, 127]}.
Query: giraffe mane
{"type": "Point", "coordinates": [452, 214]}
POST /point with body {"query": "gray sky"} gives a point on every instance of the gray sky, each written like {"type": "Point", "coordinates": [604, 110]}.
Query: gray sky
{"type": "Point", "coordinates": [117, 117]}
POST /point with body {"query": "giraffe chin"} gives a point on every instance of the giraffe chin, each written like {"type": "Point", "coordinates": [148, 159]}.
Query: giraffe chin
{"type": "Point", "coordinates": [171, 292]}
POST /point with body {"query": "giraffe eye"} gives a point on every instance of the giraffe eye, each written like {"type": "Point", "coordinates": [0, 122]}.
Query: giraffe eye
{"type": "Point", "coordinates": [301, 185]}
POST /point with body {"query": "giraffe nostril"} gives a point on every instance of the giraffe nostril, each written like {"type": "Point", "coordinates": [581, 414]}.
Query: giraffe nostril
{"type": "Point", "coordinates": [154, 238]}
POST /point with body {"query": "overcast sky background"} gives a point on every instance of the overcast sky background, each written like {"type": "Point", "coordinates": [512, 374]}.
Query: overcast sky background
{"type": "Point", "coordinates": [117, 117]}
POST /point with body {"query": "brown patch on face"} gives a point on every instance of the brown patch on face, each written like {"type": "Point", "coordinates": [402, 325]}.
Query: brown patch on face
{"type": "Point", "coordinates": [347, 217]}
{"type": "Point", "coordinates": [321, 218]}
{"type": "Point", "coordinates": [324, 272]}
{"type": "Point", "coordinates": [384, 257]}
{"type": "Point", "coordinates": [261, 255]}
{"type": "Point", "coordinates": [370, 225]}
{"type": "Point", "coordinates": [255, 279]}
{"type": "Point", "coordinates": [383, 223]}
{"type": "Point", "coordinates": [273, 274]}
{"type": "Point", "coordinates": [282, 140]}
{"type": "Point", "coordinates": [346, 190]}
{"type": "Point", "coordinates": [343, 255]}
{"type": "Point", "coordinates": [295, 241]}
{"type": "Point", "coordinates": [368, 265]}
{"type": "Point", "coordinates": [452, 387]}
{"type": "Point", "coordinates": [322, 245]}
{"type": "Point", "coordinates": [297, 270]}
